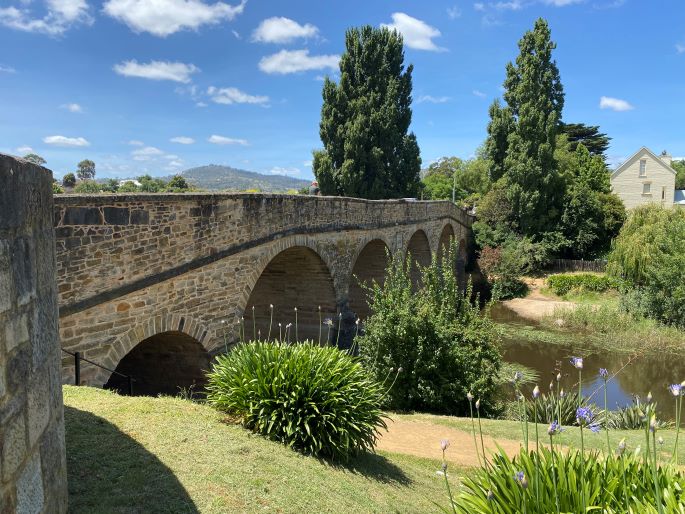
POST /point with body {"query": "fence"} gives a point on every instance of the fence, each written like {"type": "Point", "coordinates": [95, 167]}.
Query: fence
{"type": "Point", "coordinates": [77, 370]}
{"type": "Point", "coordinates": [577, 265]}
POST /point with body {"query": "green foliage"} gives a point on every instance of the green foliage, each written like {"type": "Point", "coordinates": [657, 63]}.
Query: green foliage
{"type": "Point", "coordinates": [436, 334]}
{"type": "Point", "coordinates": [501, 124]}
{"type": "Point", "coordinates": [535, 96]}
{"type": "Point", "coordinates": [128, 187]}
{"type": "Point", "coordinates": [35, 159]}
{"type": "Point", "coordinates": [368, 151]}
{"type": "Point", "coordinates": [69, 180]}
{"type": "Point", "coordinates": [86, 170]}
{"type": "Point", "coordinates": [632, 417]}
{"type": "Point", "coordinates": [111, 186]}
{"type": "Point", "coordinates": [589, 136]}
{"type": "Point", "coordinates": [177, 184]}
{"type": "Point", "coordinates": [467, 178]}
{"type": "Point", "coordinates": [149, 184]}
{"type": "Point", "coordinates": [564, 283]}
{"type": "Point", "coordinates": [88, 187]}
{"type": "Point", "coordinates": [504, 266]}
{"type": "Point", "coordinates": [552, 408]}
{"type": "Point", "coordinates": [318, 400]}
{"type": "Point", "coordinates": [602, 480]}
{"type": "Point", "coordinates": [679, 167]}
{"type": "Point", "coordinates": [56, 189]}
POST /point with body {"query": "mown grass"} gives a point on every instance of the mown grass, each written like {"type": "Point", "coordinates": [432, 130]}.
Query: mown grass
{"type": "Point", "coordinates": [570, 437]}
{"type": "Point", "coordinates": [149, 455]}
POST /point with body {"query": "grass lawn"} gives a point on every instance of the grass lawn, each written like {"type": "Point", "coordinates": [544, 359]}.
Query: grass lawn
{"type": "Point", "coordinates": [504, 429]}
{"type": "Point", "coordinates": [148, 455]}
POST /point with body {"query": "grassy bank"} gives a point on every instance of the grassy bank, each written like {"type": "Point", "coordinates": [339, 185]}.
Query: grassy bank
{"type": "Point", "coordinates": [131, 455]}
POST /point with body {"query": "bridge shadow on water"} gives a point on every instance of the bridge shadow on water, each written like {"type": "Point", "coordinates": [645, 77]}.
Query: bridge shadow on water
{"type": "Point", "coordinates": [109, 472]}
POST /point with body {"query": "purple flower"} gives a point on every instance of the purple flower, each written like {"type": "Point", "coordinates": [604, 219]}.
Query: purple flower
{"type": "Point", "coordinates": [675, 389]}
{"type": "Point", "coordinates": [536, 392]}
{"type": "Point", "coordinates": [520, 477]}
{"type": "Point", "coordinates": [328, 321]}
{"type": "Point", "coordinates": [603, 373]}
{"type": "Point", "coordinates": [594, 427]}
{"type": "Point", "coordinates": [554, 428]}
{"type": "Point", "coordinates": [585, 418]}
{"type": "Point", "coordinates": [444, 444]}
{"type": "Point", "coordinates": [577, 362]}
{"type": "Point", "coordinates": [517, 377]}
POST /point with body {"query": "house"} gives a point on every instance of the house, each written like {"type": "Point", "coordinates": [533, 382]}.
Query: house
{"type": "Point", "coordinates": [646, 178]}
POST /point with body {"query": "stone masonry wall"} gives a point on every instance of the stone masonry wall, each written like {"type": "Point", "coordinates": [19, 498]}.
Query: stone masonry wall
{"type": "Point", "coordinates": [132, 266]}
{"type": "Point", "coordinates": [32, 455]}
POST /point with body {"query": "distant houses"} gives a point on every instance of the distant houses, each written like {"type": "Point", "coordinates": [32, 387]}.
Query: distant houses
{"type": "Point", "coordinates": [647, 178]}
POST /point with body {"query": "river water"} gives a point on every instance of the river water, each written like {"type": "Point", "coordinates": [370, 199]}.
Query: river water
{"type": "Point", "coordinates": [637, 374]}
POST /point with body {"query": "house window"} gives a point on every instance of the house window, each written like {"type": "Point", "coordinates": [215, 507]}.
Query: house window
{"type": "Point", "coordinates": [643, 167]}
{"type": "Point", "coordinates": [647, 188]}
{"type": "Point", "coordinates": [663, 193]}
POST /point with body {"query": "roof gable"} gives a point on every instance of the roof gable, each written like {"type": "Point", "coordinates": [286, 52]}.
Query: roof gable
{"type": "Point", "coordinates": [642, 151]}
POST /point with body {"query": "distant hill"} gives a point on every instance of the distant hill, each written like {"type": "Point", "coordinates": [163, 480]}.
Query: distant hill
{"type": "Point", "coordinates": [215, 177]}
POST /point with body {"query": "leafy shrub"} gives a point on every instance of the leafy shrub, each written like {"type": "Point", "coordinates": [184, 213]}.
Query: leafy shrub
{"type": "Point", "coordinates": [565, 283]}
{"type": "Point", "coordinates": [552, 408]}
{"type": "Point", "coordinates": [604, 482]}
{"type": "Point", "coordinates": [315, 399]}
{"type": "Point", "coordinates": [87, 187]}
{"type": "Point", "coordinates": [632, 417]}
{"type": "Point", "coordinates": [437, 334]}
{"type": "Point", "coordinates": [57, 189]}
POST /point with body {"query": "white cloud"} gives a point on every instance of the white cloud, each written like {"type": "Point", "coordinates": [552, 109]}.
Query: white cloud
{"type": "Point", "coordinates": [277, 170]}
{"type": "Point", "coordinates": [164, 17]}
{"type": "Point", "coordinates": [293, 61]}
{"type": "Point", "coordinates": [72, 107]}
{"type": "Point", "coordinates": [479, 6]}
{"type": "Point", "coordinates": [282, 30]}
{"type": "Point", "coordinates": [61, 15]}
{"type": "Point", "coordinates": [562, 3]}
{"type": "Point", "coordinates": [416, 33]}
{"type": "Point", "coordinates": [232, 95]}
{"type": "Point", "coordinates": [23, 150]}
{"type": "Point", "coordinates": [7, 69]}
{"type": "Point", "coordinates": [201, 104]}
{"type": "Point", "coordinates": [236, 34]}
{"type": "Point", "coordinates": [478, 93]}
{"type": "Point", "coordinates": [65, 141]}
{"type": "Point", "coordinates": [135, 142]}
{"type": "Point", "coordinates": [157, 70]}
{"type": "Point", "coordinates": [182, 140]}
{"type": "Point", "coordinates": [680, 48]}
{"type": "Point", "coordinates": [512, 5]}
{"type": "Point", "coordinates": [615, 104]}
{"type": "Point", "coordinates": [433, 99]}
{"type": "Point", "coordinates": [453, 12]}
{"type": "Point", "coordinates": [221, 140]}
{"type": "Point", "coordinates": [146, 154]}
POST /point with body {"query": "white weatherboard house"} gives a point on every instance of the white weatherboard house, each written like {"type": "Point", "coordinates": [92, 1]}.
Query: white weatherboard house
{"type": "Point", "coordinates": [646, 178]}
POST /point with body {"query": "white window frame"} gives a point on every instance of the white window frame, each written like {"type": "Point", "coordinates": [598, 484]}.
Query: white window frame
{"type": "Point", "coordinates": [643, 168]}
{"type": "Point", "coordinates": [647, 189]}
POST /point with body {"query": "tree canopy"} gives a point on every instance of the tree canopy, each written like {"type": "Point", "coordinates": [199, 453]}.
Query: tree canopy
{"type": "Point", "coordinates": [595, 141]}
{"type": "Point", "coordinates": [35, 159]}
{"type": "Point", "coordinates": [368, 151]}
{"type": "Point", "coordinates": [86, 170]}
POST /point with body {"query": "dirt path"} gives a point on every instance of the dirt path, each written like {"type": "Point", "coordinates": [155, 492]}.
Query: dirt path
{"type": "Point", "coordinates": [422, 439]}
{"type": "Point", "coordinates": [536, 305]}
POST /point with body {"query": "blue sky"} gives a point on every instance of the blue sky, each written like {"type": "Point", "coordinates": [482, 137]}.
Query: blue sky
{"type": "Point", "coordinates": [158, 86]}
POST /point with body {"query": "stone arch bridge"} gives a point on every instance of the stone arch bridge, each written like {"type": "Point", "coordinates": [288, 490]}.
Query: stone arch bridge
{"type": "Point", "coordinates": [154, 285]}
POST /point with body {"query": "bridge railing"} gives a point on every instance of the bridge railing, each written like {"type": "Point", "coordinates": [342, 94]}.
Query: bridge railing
{"type": "Point", "coordinates": [77, 370]}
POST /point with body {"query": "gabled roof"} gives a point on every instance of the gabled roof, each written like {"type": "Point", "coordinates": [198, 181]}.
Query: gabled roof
{"type": "Point", "coordinates": [636, 155]}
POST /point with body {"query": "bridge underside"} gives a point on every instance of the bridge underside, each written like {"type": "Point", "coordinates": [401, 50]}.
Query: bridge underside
{"type": "Point", "coordinates": [164, 328]}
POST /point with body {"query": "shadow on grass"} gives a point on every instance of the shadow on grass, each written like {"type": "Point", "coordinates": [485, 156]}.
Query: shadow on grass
{"type": "Point", "coordinates": [375, 467]}
{"type": "Point", "coordinates": [109, 472]}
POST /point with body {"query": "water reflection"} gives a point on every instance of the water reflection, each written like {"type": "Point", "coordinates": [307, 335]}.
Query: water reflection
{"type": "Point", "coordinates": [637, 374]}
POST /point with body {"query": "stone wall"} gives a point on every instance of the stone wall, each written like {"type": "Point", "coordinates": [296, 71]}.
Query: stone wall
{"type": "Point", "coordinates": [32, 456]}
{"type": "Point", "coordinates": [130, 267]}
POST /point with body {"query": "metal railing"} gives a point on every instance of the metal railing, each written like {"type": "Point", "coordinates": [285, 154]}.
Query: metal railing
{"type": "Point", "coordinates": [77, 370]}
{"type": "Point", "coordinates": [577, 265]}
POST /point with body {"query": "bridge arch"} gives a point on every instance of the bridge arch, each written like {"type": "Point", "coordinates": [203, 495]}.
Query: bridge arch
{"type": "Point", "coordinates": [447, 237]}
{"type": "Point", "coordinates": [294, 275]}
{"type": "Point", "coordinates": [462, 262]}
{"type": "Point", "coordinates": [420, 250]}
{"type": "Point", "coordinates": [370, 264]}
{"type": "Point", "coordinates": [162, 355]}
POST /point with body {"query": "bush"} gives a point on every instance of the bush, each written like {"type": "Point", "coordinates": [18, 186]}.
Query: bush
{"type": "Point", "coordinates": [603, 480]}
{"type": "Point", "coordinates": [318, 400]}
{"type": "Point", "coordinates": [437, 334]}
{"type": "Point", "coordinates": [57, 189]}
{"type": "Point", "coordinates": [87, 187]}
{"type": "Point", "coordinates": [564, 283]}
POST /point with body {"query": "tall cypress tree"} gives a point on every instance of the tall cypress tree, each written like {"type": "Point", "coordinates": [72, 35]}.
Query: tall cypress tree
{"type": "Point", "coordinates": [365, 119]}
{"type": "Point", "coordinates": [535, 99]}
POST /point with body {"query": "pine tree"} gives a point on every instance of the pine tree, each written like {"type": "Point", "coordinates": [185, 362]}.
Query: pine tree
{"type": "Point", "coordinates": [365, 118]}
{"type": "Point", "coordinates": [535, 99]}
{"type": "Point", "coordinates": [595, 141]}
